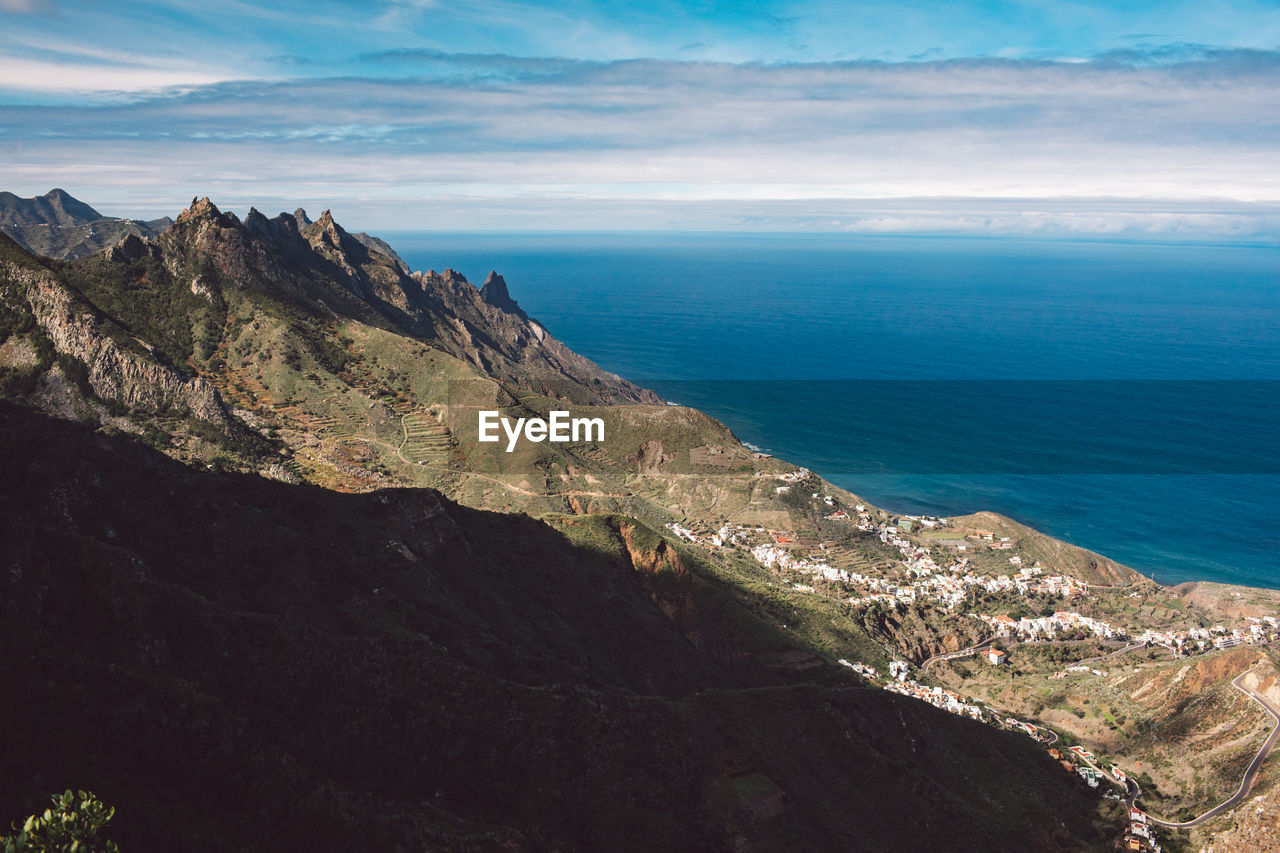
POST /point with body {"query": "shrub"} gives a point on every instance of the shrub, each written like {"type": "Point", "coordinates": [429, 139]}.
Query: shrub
{"type": "Point", "coordinates": [70, 826]}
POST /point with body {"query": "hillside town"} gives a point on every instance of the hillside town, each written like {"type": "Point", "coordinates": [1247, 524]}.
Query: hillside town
{"type": "Point", "coordinates": [941, 572]}
{"type": "Point", "coordinates": [1257, 630]}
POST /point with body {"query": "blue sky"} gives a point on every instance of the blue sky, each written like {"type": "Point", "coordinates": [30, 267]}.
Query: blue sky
{"type": "Point", "coordinates": [1055, 119]}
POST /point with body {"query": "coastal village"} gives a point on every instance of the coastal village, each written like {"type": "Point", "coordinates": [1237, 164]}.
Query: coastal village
{"type": "Point", "coordinates": [944, 576]}
{"type": "Point", "coordinates": [942, 572]}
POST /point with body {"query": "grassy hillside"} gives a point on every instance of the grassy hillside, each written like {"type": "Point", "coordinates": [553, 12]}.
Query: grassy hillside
{"type": "Point", "coordinates": [237, 663]}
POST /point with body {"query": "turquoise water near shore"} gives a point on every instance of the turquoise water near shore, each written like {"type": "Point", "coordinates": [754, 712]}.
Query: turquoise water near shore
{"type": "Point", "coordinates": [1120, 396]}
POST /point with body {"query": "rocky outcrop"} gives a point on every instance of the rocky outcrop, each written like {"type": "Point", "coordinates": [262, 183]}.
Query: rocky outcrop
{"type": "Point", "coordinates": [650, 458]}
{"type": "Point", "coordinates": [1256, 827]}
{"type": "Point", "coordinates": [494, 292]}
{"type": "Point", "coordinates": [662, 573]}
{"type": "Point", "coordinates": [1264, 679]}
{"type": "Point", "coordinates": [114, 373]}
{"type": "Point", "coordinates": [132, 248]}
{"type": "Point", "coordinates": [377, 244]}
{"type": "Point", "coordinates": [320, 267]}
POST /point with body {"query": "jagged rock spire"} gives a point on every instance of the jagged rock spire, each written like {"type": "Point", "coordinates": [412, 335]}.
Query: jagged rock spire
{"type": "Point", "coordinates": [494, 292]}
{"type": "Point", "coordinates": [199, 207]}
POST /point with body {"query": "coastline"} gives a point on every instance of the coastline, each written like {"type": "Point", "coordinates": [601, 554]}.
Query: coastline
{"type": "Point", "coordinates": [891, 322]}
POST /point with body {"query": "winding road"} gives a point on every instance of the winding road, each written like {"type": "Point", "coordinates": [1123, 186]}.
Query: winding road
{"type": "Point", "coordinates": [1014, 641]}
{"type": "Point", "coordinates": [1127, 648]}
{"type": "Point", "coordinates": [1246, 782]}
{"type": "Point", "coordinates": [1134, 791]}
{"type": "Point", "coordinates": [962, 653]}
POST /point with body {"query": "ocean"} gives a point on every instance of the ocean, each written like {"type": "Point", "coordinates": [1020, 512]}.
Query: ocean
{"type": "Point", "coordinates": [1123, 397]}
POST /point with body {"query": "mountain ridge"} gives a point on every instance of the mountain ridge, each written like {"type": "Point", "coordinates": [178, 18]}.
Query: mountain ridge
{"type": "Point", "coordinates": [355, 383]}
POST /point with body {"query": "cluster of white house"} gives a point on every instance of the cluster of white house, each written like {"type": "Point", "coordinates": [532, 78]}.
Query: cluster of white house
{"type": "Point", "coordinates": [862, 669]}
{"type": "Point", "coordinates": [1025, 727]}
{"type": "Point", "coordinates": [1048, 627]}
{"type": "Point", "coordinates": [1139, 835]}
{"type": "Point", "coordinates": [949, 586]}
{"type": "Point", "coordinates": [775, 557]}
{"type": "Point", "coordinates": [864, 516]}
{"type": "Point", "coordinates": [1258, 630]}
{"type": "Point", "coordinates": [727, 536]}
{"type": "Point", "coordinates": [951, 589]}
{"type": "Point", "coordinates": [939, 697]}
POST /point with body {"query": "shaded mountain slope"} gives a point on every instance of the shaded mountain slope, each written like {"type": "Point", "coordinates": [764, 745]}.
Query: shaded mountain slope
{"type": "Point", "coordinates": [243, 664]}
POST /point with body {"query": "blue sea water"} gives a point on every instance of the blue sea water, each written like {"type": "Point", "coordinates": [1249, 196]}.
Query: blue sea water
{"type": "Point", "coordinates": [1123, 397]}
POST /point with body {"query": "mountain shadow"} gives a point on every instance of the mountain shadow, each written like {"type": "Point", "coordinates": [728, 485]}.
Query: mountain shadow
{"type": "Point", "coordinates": [241, 664]}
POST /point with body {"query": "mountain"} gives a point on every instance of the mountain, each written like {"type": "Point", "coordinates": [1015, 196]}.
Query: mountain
{"type": "Point", "coordinates": [56, 207]}
{"type": "Point", "coordinates": [268, 590]}
{"type": "Point", "coordinates": [239, 664]}
{"type": "Point", "coordinates": [56, 225]}
{"type": "Point", "coordinates": [158, 331]}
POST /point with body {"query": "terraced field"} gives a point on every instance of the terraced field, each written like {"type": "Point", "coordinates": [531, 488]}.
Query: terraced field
{"type": "Point", "coordinates": [426, 441]}
{"type": "Point", "coordinates": [851, 560]}
{"type": "Point", "coordinates": [714, 457]}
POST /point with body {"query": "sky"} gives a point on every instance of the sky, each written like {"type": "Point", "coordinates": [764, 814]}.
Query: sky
{"type": "Point", "coordinates": [1137, 120]}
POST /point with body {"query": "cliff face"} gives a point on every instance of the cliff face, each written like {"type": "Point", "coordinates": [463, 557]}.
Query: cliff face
{"type": "Point", "coordinates": [115, 374]}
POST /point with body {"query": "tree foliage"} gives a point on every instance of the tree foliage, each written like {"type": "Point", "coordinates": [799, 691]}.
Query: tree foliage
{"type": "Point", "coordinates": [72, 825]}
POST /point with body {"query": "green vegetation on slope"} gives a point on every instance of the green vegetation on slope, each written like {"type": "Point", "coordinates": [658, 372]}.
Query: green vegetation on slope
{"type": "Point", "coordinates": [393, 669]}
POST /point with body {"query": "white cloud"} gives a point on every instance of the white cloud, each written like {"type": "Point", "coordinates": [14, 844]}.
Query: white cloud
{"type": "Point", "coordinates": [636, 140]}
{"type": "Point", "coordinates": [39, 76]}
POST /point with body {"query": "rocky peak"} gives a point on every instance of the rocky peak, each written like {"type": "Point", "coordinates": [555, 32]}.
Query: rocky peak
{"type": "Point", "coordinates": [494, 292]}
{"type": "Point", "coordinates": [131, 248]}
{"type": "Point", "coordinates": [279, 227]}
{"type": "Point", "coordinates": [205, 212]}
{"type": "Point", "coordinates": [300, 217]}
{"type": "Point", "coordinates": [329, 231]}
{"type": "Point", "coordinates": [256, 221]}
{"type": "Point", "coordinates": [200, 208]}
